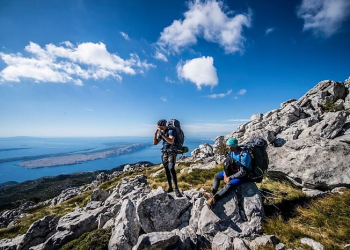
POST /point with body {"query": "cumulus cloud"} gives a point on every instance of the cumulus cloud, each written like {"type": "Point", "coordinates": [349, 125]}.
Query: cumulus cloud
{"type": "Point", "coordinates": [126, 36]}
{"type": "Point", "coordinates": [200, 71]}
{"type": "Point", "coordinates": [69, 63]}
{"type": "Point", "coordinates": [168, 79]}
{"type": "Point", "coordinates": [209, 20]}
{"type": "Point", "coordinates": [324, 17]}
{"type": "Point", "coordinates": [214, 96]}
{"type": "Point", "coordinates": [160, 56]}
{"type": "Point", "coordinates": [269, 30]}
{"type": "Point", "coordinates": [242, 92]}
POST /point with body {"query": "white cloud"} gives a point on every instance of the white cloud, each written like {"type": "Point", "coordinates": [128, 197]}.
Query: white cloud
{"type": "Point", "coordinates": [200, 71]}
{"type": "Point", "coordinates": [269, 30]}
{"type": "Point", "coordinates": [126, 37]}
{"type": "Point", "coordinates": [90, 110]}
{"type": "Point", "coordinates": [242, 91]}
{"type": "Point", "coordinates": [164, 99]}
{"type": "Point", "coordinates": [69, 63]}
{"type": "Point", "coordinates": [209, 20]}
{"type": "Point", "coordinates": [160, 56]}
{"type": "Point", "coordinates": [167, 79]}
{"type": "Point", "coordinates": [324, 17]}
{"type": "Point", "coordinates": [222, 95]}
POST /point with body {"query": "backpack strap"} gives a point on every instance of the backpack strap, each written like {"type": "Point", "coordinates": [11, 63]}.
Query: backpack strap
{"type": "Point", "coordinates": [240, 161]}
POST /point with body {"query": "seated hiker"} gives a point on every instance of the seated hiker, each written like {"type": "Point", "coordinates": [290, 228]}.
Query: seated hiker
{"type": "Point", "coordinates": [236, 166]}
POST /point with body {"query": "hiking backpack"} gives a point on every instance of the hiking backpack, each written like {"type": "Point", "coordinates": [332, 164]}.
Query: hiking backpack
{"type": "Point", "coordinates": [256, 148]}
{"type": "Point", "coordinates": [179, 136]}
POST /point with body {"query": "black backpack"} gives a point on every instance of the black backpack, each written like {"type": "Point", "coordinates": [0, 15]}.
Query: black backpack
{"type": "Point", "coordinates": [179, 137]}
{"type": "Point", "coordinates": [256, 148]}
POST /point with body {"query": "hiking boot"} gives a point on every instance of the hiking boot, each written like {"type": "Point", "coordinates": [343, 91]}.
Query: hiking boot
{"type": "Point", "coordinates": [178, 193]}
{"type": "Point", "coordinates": [211, 202]}
{"type": "Point", "coordinates": [208, 195]}
{"type": "Point", "coordinates": [170, 190]}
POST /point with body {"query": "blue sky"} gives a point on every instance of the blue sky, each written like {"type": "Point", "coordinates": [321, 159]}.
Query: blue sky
{"type": "Point", "coordinates": [111, 68]}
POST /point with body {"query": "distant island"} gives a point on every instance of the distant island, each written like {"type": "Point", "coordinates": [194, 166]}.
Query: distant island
{"type": "Point", "coordinates": [71, 159]}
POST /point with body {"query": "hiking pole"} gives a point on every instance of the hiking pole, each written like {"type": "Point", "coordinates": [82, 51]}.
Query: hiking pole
{"type": "Point", "coordinates": [269, 193]}
{"type": "Point", "coordinates": [269, 200]}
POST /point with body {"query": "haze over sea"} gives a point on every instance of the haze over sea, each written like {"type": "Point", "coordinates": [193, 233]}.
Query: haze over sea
{"type": "Point", "coordinates": [15, 147]}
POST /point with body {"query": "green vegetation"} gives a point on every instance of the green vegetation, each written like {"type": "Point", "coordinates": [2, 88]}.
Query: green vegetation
{"type": "Point", "coordinates": [326, 220]}
{"type": "Point", "coordinates": [95, 240]}
{"type": "Point", "coordinates": [330, 106]}
{"type": "Point", "coordinates": [42, 189]}
{"type": "Point", "coordinates": [290, 215]}
{"type": "Point", "coordinates": [64, 208]}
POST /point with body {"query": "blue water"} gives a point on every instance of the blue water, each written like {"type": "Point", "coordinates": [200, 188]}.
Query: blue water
{"type": "Point", "coordinates": [30, 146]}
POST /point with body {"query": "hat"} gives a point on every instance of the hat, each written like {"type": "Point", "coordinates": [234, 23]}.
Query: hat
{"type": "Point", "coordinates": [232, 142]}
{"type": "Point", "coordinates": [161, 122]}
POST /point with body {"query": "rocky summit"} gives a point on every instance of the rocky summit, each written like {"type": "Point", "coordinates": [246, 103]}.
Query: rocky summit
{"type": "Point", "coordinates": [308, 144]}
{"type": "Point", "coordinates": [309, 137]}
{"type": "Point", "coordinates": [141, 218]}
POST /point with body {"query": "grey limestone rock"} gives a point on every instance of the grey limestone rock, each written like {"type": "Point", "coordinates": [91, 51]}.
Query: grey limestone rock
{"type": "Point", "coordinates": [65, 195]}
{"type": "Point", "coordinates": [280, 246]}
{"type": "Point", "coordinates": [70, 227]}
{"type": "Point", "coordinates": [222, 242]}
{"type": "Point", "coordinates": [311, 243]}
{"type": "Point", "coordinates": [158, 240]}
{"type": "Point", "coordinates": [10, 244]}
{"type": "Point", "coordinates": [313, 192]}
{"type": "Point", "coordinates": [101, 178]}
{"type": "Point", "coordinates": [256, 117]}
{"type": "Point", "coordinates": [159, 211]}
{"type": "Point", "coordinates": [330, 126]}
{"type": "Point", "coordinates": [99, 195]}
{"type": "Point", "coordinates": [287, 102]}
{"type": "Point", "coordinates": [312, 163]}
{"type": "Point", "coordinates": [38, 232]}
{"type": "Point", "coordinates": [263, 241]}
{"type": "Point", "coordinates": [238, 214]}
{"type": "Point", "coordinates": [208, 165]}
{"type": "Point", "coordinates": [126, 229]}
{"type": "Point", "coordinates": [239, 244]}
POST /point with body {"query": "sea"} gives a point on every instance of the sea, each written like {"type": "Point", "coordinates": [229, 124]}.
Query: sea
{"type": "Point", "coordinates": [16, 147]}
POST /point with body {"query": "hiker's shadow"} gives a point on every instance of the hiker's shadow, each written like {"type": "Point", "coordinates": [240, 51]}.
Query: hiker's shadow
{"type": "Point", "coordinates": [228, 211]}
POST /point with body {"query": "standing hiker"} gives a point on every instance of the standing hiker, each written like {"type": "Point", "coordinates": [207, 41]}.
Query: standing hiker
{"type": "Point", "coordinates": [167, 135]}
{"type": "Point", "coordinates": [236, 167]}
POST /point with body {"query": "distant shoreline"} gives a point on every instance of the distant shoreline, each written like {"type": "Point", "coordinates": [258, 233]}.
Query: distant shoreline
{"type": "Point", "coordinates": [72, 159]}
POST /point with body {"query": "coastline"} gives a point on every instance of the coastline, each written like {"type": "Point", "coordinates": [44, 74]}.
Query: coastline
{"type": "Point", "coordinates": [72, 159]}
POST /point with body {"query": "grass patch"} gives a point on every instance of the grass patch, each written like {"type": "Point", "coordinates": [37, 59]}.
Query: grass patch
{"type": "Point", "coordinates": [199, 178]}
{"type": "Point", "coordinates": [62, 209]}
{"type": "Point", "coordinates": [95, 240]}
{"type": "Point", "coordinates": [283, 195]}
{"type": "Point", "coordinates": [325, 220]}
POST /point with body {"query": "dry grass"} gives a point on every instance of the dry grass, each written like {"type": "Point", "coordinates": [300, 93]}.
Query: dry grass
{"type": "Point", "coordinates": [325, 220]}
{"type": "Point", "coordinates": [64, 208]}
